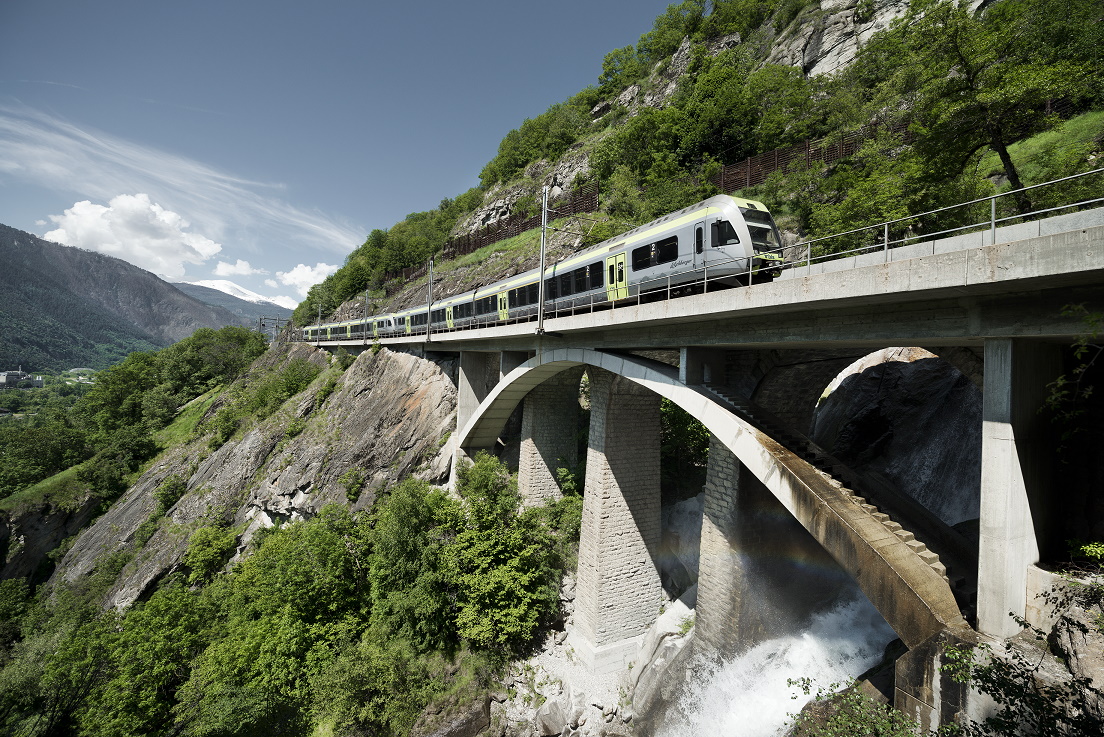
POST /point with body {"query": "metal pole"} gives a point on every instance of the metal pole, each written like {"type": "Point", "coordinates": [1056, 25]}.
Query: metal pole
{"type": "Point", "coordinates": [429, 300]}
{"type": "Point", "coordinates": [993, 221]}
{"type": "Point", "coordinates": [365, 336]}
{"type": "Point", "coordinates": [543, 243]}
{"type": "Point", "coordinates": [318, 329]}
{"type": "Point", "coordinates": [885, 243]}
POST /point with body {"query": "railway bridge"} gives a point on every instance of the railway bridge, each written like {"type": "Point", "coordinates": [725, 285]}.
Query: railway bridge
{"type": "Point", "coordinates": [991, 304]}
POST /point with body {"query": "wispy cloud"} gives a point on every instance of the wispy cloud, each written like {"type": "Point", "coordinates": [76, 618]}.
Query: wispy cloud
{"type": "Point", "coordinates": [50, 152]}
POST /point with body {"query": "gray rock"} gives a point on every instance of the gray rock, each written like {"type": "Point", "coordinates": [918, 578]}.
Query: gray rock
{"type": "Point", "coordinates": [466, 721]}
{"type": "Point", "coordinates": [913, 419]}
{"type": "Point", "coordinates": [386, 417]}
{"type": "Point", "coordinates": [553, 717]}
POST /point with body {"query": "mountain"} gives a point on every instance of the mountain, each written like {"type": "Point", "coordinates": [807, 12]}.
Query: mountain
{"type": "Point", "coordinates": [236, 299]}
{"type": "Point", "coordinates": [65, 306]}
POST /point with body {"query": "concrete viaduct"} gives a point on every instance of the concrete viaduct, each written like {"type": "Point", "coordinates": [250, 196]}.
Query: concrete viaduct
{"type": "Point", "coordinates": [990, 306]}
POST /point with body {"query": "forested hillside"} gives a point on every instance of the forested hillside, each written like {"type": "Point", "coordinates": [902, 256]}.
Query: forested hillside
{"type": "Point", "coordinates": [65, 307]}
{"type": "Point", "coordinates": [227, 539]}
{"type": "Point", "coordinates": [960, 88]}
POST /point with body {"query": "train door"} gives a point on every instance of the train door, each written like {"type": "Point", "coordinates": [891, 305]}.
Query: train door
{"type": "Point", "coordinates": [617, 284]}
{"type": "Point", "coordinates": [407, 319]}
{"type": "Point", "coordinates": [699, 244]}
{"type": "Point", "coordinates": [503, 305]}
{"type": "Point", "coordinates": [448, 317]}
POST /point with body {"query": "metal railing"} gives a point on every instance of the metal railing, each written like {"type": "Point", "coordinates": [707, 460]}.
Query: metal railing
{"type": "Point", "coordinates": [886, 243]}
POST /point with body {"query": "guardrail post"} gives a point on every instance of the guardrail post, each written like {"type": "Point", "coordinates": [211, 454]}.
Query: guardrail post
{"type": "Point", "coordinates": [885, 243]}
{"type": "Point", "coordinates": [993, 221]}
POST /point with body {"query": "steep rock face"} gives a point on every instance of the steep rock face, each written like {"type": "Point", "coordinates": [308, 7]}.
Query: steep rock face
{"type": "Point", "coordinates": [826, 39]}
{"type": "Point", "coordinates": [27, 535]}
{"type": "Point", "coordinates": [909, 416]}
{"type": "Point", "coordinates": [388, 415]}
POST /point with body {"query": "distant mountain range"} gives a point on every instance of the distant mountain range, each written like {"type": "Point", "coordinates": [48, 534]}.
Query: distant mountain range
{"type": "Point", "coordinates": [238, 300]}
{"type": "Point", "coordinates": [62, 307]}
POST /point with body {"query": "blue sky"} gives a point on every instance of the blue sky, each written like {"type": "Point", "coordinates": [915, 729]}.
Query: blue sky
{"type": "Point", "coordinates": [260, 142]}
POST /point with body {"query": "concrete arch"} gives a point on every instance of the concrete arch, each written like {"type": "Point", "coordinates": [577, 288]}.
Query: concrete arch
{"type": "Point", "coordinates": [910, 595]}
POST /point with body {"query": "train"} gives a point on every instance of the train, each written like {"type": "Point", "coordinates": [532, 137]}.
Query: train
{"type": "Point", "coordinates": [724, 241]}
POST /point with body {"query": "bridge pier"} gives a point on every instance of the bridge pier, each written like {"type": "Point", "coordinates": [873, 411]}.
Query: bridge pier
{"type": "Point", "coordinates": [618, 589]}
{"type": "Point", "coordinates": [1015, 466]}
{"type": "Point", "coordinates": [477, 375]}
{"type": "Point", "coordinates": [549, 424]}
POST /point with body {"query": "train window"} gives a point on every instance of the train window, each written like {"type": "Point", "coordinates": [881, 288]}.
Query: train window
{"type": "Point", "coordinates": [566, 285]}
{"type": "Point", "coordinates": [723, 234]}
{"type": "Point", "coordinates": [660, 252]}
{"type": "Point", "coordinates": [612, 279]}
{"type": "Point", "coordinates": [667, 250]}
{"type": "Point", "coordinates": [595, 274]}
{"type": "Point", "coordinates": [486, 305]}
{"type": "Point", "coordinates": [533, 295]}
{"type": "Point", "coordinates": [699, 239]}
{"type": "Point", "coordinates": [550, 291]}
{"type": "Point", "coordinates": [438, 316]}
{"type": "Point", "coordinates": [580, 276]}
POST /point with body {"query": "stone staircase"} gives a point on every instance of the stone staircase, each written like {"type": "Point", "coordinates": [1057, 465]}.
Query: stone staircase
{"type": "Point", "coordinates": [965, 593]}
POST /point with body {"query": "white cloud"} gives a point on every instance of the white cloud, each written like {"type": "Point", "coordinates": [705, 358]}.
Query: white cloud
{"type": "Point", "coordinates": [271, 283]}
{"type": "Point", "coordinates": [46, 151]}
{"type": "Point", "coordinates": [283, 301]}
{"type": "Point", "coordinates": [133, 228]}
{"type": "Point", "coordinates": [303, 277]}
{"type": "Point", "coordinates": [241, 268]}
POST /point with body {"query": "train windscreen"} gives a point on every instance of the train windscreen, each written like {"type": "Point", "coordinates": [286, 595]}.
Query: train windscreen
{"type": "Point", "coordinates": [764, 233]}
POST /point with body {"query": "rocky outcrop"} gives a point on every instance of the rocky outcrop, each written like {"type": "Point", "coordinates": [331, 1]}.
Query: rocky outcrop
{"type": "Point", "coordinates": [29, 534]}
{"type": "Point", "coordinates": [387, 418]}
{"type": "Point", "coordinates": [825, 38]}
{"type": "Point", "coordinates": [911, 418]}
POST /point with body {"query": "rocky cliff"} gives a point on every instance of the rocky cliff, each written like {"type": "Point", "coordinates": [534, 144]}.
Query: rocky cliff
{"type": "Point", "coordinates": [388, 417]}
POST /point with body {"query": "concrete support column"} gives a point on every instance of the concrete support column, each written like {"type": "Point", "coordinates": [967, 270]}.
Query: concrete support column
{"type": "Point", "coordinates": [701, 365]}
{"type": "Point", "coordinates": [618, 591]}
{"type": "Point", "coordinates": [510, 360]}
{"type": "Point", "coordinates": [478, 374]}
{"type": "Point", "coordinates": [549, 424]}
{"type": "Point", "coordinates": [1015, 467]}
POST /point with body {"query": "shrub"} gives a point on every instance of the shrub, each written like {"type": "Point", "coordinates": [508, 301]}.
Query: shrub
{"type": "Point", "coordinates": [208, 551]}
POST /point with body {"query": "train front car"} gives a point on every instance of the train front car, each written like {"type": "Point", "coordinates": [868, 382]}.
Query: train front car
{"type": "Point", "coordinates": [743, 242]}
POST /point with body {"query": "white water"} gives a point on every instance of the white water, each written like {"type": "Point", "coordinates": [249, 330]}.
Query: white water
{"type": "Point", "coordinates": [749, 696]}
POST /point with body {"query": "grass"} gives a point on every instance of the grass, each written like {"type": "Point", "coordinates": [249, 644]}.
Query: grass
{"type": "Point", "coordinates": [183, 426]}
{"type": "Point", "coordinates": [62, 489]}
{"type": "Point", "coordinates": [1034, 157]}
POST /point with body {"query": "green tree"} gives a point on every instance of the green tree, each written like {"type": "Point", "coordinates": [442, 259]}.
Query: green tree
{"type": "Point", "coordinates": [987, 79]}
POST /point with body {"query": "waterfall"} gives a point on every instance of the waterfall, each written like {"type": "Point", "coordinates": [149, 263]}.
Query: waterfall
{"type": "Point", "coordinates": [748, 696]}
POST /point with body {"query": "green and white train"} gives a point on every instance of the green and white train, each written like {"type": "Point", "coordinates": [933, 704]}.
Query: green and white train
{"type": "Point", "coordinates": [721, 241]}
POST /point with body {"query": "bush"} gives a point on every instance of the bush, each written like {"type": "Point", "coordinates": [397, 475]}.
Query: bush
{"type": "Point", "coordinates": [208, 551]}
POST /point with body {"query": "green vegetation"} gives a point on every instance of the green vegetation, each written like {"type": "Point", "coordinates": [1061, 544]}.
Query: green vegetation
{"type": "Point", "coordinates": [973, 90]}
{"type": "Point", "coordinates": [347, 623]}
{"type": "Point", "coordinates": [258, 398]}
{"type": "Point", "coordinates": [111, 427]}
{"type": "Point", "coordinates": [851, 712]}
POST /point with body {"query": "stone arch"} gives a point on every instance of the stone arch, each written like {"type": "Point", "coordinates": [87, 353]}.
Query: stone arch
{"type": "Point", "coordinates": [910, 595]}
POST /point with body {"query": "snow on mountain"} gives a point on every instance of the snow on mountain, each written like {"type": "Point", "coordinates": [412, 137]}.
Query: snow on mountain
{"type": "Point", "coordinates": [236, 290]}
